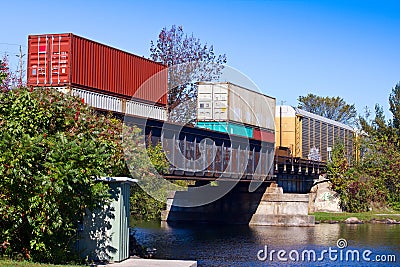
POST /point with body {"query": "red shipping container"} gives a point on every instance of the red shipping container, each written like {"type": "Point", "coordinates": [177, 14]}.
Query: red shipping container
{"type": "Point", "coordinates": [264, 135]}
{"type": "Point", "coordinates": [60, 60]}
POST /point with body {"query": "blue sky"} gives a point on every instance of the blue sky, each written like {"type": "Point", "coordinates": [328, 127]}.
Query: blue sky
{"type": "Point", "coordinates": [288, 48]}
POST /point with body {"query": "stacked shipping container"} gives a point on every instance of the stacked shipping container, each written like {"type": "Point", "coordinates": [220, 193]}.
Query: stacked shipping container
{"type": "Point", "coordinates": [116, 104]}
{"type": "Point", "coordinates": [67, 61]}
{"type": "Point", "coordinates": [230, 108]}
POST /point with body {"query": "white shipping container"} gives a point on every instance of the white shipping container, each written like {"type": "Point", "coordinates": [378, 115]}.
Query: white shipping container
{"type": "Point", "coordinates": [116, 104]}
{"type": "Point", "coordinates": [100, 101]}
{"type": "Point", "coordinates": [145, 110]}
{"type": "Point", "coordinates": [225, 101]}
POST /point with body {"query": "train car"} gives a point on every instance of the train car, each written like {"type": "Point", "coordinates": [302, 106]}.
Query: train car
{"type": "Point", "coordinates": [105, 77]}
{"type": "Point", "coordinates": [233, 109]}
{"type": "Point", "coordinates": [309, 136]}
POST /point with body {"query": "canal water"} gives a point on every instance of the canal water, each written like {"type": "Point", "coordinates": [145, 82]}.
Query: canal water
{"type": "Point", "coordinates": [238, 245]}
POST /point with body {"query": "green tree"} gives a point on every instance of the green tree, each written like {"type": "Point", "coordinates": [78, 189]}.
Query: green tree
{"type": "Point", "coordinates": [52, 148]}
{"type": "Point", "coordinates": [8, 79]}
{"type": "Point", "coordinates": [379, 167]}
{"type": "Point", "coordinates": [338, 167]}
{"type": "Point", "coordinates": [158, 158]}
{"type": "Point", "coordinates": [173, 48]}
{"type": "Point", "coordinates": [394, 107]}
{"type": "Point", "coordinates": [381, 159]}
{"type": "Point", "coordinates": [334, 108]}
{"type": "Point", "coordinates": [143, 206]}
{"type": "Point", "coordinates": [373, 182]}
{"type": "Point", "coordinates": [345, 181]}
{"type": "Point", "coordinates": [3, 73]}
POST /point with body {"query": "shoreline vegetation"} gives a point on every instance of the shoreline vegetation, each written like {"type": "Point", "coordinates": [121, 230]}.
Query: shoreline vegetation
{"type": "Point", "coordinates": [382, 217]}
{"type": "Point", "coordinates": [5, 262]}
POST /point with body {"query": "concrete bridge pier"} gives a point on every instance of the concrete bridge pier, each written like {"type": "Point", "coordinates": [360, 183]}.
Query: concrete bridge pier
{"type": "Point", "coordinates": [282, 209]}
{"type": "Point", "coordinates": [268, 205]}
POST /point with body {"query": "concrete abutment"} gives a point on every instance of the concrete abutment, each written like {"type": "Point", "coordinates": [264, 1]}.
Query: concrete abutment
{"type": "Point", "coordinates": [267, 205]}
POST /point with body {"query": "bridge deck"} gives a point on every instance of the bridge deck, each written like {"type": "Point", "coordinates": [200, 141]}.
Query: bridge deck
{"type": "Point", "coordinates": [205, 155]}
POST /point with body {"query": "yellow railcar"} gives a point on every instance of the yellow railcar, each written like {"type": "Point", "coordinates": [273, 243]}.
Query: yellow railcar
{"type": "Point", "coordinates": [310, 136]}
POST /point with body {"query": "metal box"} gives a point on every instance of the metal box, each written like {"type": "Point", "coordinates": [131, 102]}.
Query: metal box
{"type": "Point", "coordinates": [264, 135]}
{"type": "Point", "coordinates": [116, 104]}
{"type": "Point", "coordinates": [229, 102]}
{"type": "Point", "coordinates": [104, 235]}
{"type": "Point", "coordinates": [69, 60]}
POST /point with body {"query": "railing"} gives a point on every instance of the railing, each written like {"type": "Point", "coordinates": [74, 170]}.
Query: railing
{"type": "Point", "coordinates": [295, 165]}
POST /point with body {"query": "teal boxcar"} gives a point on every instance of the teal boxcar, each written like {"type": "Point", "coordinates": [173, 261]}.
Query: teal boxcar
{"type": "Point", "coordinates": [227, 127]}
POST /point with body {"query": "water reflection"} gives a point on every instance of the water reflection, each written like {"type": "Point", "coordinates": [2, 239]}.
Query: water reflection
{"type": "Point", "coordinates": [233, 245]}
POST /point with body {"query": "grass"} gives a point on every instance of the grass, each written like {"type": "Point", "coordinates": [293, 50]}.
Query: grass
{"type": "Point", "coordinates": [364, 216]}
{"type": "Point", "coordinates": [12, 263]}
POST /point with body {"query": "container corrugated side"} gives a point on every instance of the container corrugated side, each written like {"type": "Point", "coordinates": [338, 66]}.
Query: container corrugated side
{"type": "Point", "coordinates": [303, 131]}
{"type": "Point", "coordinates": [100, 101]}
{"type": "Point", "coordinates": [67, 59]}
{"type": "Point", "coordinates": [145, 110]}
{"type": "Point", "coordinates": [251, 107]}
{"type": "Point", "coordinates": [115, 104]}
{"type": "Point", "coordinates": [264, 135]}
{"type": "Point", "coordinates": [230, 102]}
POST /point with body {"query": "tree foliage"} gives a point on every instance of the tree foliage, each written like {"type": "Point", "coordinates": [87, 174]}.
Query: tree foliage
{"type": "Point", "coordinates": [374, 181]}
{"type": "Point", "coordinates": [394, 107]}
{"type": "Point", "coordinates": [334, 108]}
{"type": "Point", "coordinates": [143, 206]}
{"type": "Point", "coordinates": [381, 159]}
{"type": "Point", "coordinates": [8, 79]}
{"type": "Point", "coordinates": [345, 181]}
{"type": "Point", "coordinates": [173, 48]}
{"type": "Point", "coordinates": [52, 147]}
{"type": "Point", "coordinates": [3, 73]}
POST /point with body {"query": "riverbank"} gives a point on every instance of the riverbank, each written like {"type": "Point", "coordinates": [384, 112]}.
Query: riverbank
{"type": "Point", "coordinates": [364, 217]}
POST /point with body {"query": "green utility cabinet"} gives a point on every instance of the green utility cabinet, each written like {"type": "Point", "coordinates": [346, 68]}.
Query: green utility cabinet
{"type": "Point", "coordinates": [104, 234]}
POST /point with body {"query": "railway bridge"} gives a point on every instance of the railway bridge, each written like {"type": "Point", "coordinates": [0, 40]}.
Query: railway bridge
{"type": "Point", "coordinates": [226, 157]}
{"type": "Point", "coordinates": [203, 156]}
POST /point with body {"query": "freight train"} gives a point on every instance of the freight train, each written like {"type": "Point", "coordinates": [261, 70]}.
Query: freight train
{"type": "Point", "coordinates": [107, 78]}
{"type": "Point", "coordinates": [297, 134]}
